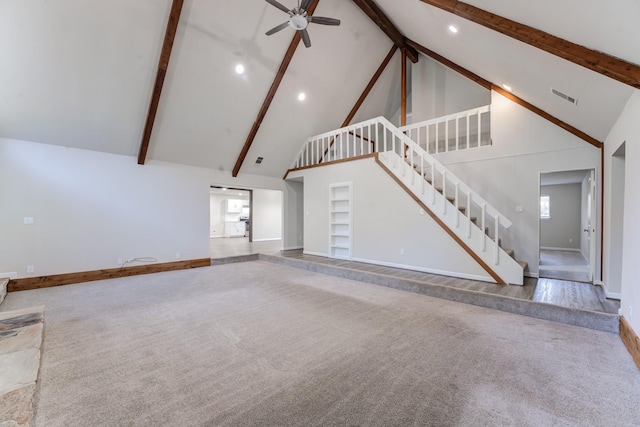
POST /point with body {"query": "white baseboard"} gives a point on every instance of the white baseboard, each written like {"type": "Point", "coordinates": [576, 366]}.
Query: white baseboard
{"type": "Point", "coordinates": [549, 248]}
{"type": "Point", "coordinates": [427, 270]}
{"type": "Point", "coordinates": [607, 293]}
{"type": "Point", "coordinates": [571, 268]}
{"type": "Point", "coordinates": [267, 240]}
{"type": "Point", "coordinates": [11, 275]}
{"type": "Point", "coordinates": [530, 274]}
{"type": "Point", "coordinates": [292, 248]}
{"type": "Point", "coordinates": [612, 295]}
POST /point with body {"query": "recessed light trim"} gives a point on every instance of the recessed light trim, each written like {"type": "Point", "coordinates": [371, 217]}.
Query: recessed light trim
{"type": "Point", "coordinates": [507, 87]}
{"type": "Point", "coordinates": [453, 29]}
{"type": "Point", "coordinates": [302, 96]}
{"type": "Point", "coordinates": [239, 69]}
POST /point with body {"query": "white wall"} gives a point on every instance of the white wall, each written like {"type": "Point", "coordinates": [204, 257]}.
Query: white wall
{"type": "Point", "coordinates": [386, 221]}
{"type": "Point", "coordinates": [562, 229]}
{"type": "Point", "coordinates": [267, 215]}
{"type": "Point", "coordinates": [438, 91]}
{"type": "Point", "coordinates": [293, 219]}
{"type": "Point", "coordinates": [216, 213]}
{"type": "Point", "coordinates": [91, 208]}
{"type": "Point", "coordinates": [626, 130]}
{"type": "Point", "coordinates": [507, 173]}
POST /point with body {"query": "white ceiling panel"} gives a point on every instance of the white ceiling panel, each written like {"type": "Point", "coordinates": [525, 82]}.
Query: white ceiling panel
{"type": "Point", "coordinates": [79, 73]}
{"type": "Point", "coordinates": [332, 73]}
{"type": "Point", "coordinates": [528, 70]}
{"type": "Point", "coordinates": [607, 26]}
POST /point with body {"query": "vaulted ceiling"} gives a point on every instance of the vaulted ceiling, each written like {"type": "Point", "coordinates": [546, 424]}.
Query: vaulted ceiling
{"type": "Point", "coordinates": [81, 73]}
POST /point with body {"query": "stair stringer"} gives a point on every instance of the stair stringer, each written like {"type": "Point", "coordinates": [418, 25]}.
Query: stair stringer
{"type": "Point", "coordinates": [493, 259]}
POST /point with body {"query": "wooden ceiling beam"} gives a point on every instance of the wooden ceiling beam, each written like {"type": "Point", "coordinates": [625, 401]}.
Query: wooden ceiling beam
{"type": "Point", "coordinates": [615, 68]}
{"type": "Point", "coordinates": [163, 64]}
{"type": "Point", "coordinates": [403, 90]}
{"type": "Point", "coordinates": [490, 86]}
{"type": "Point", "coordinates": [378, 16]}
{"type": "Point", "coordinates": [288, 56]}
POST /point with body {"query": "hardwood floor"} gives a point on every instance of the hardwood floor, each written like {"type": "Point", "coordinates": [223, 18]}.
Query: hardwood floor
{"type": "Point", "coordinates": [563, 293]}
{"type": "Point", "coordinates": [235, 246]}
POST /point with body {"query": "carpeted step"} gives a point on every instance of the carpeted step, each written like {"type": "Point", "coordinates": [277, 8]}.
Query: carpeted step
{"type": "Point", "coordinates": [523, 264]}
{"type": "Point", "coordinates": [510, 252]}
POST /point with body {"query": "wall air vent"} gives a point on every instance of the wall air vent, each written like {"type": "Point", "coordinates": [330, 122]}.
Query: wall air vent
{"type": "Point", "coordinates": [564, 96]}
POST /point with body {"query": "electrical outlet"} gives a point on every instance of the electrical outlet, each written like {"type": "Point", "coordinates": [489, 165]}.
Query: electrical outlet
{"type": "Point", "coordinates": [28, 220]}
{"type": "Point", "coordinates": [402, 251]}
{"type": "Point", "coordinates": [177, 255]}
{"type": "Point", "coordinates": [119, 261]}
{"type": "Point", "coordinates": [30, 269]}
{"type": "Point", "coordinates": [519, 209]}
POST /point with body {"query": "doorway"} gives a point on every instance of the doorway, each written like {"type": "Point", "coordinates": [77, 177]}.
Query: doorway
{"type": "Point", "coordinates": [568, 225]}
{"type": "Point", "coordinates": [244, 221]}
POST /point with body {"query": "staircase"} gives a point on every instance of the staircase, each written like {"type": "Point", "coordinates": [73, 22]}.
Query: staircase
{"type": "Point", "coordinates": [469, 219]}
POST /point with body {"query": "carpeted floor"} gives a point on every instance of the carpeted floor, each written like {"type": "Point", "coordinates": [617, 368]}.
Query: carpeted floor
{"type": "Point", "coordinates": [261, 344]}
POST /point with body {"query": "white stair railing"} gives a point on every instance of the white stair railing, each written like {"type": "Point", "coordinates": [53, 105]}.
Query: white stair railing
{"type": "Point", "coordinates": [459, 131]}
{"type": "Point", "coordinates": [465, 212]}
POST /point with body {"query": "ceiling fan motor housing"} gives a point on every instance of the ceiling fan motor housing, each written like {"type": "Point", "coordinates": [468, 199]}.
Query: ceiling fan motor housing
{"type": "Point", "coordinates": [298, 22]}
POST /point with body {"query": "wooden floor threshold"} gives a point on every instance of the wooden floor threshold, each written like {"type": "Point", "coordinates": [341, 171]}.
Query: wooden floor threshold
{"type": "Point", "coordinates": [630, 340]}
{"type": "Point", "coordinates": [40, 282]}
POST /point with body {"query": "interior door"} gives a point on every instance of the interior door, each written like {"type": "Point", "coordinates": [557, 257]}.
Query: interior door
{"type": "Point", "coordinates": [590, 228]}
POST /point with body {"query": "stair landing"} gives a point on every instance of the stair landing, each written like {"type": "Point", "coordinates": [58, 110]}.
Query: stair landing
{"type": "Point", "coordinates": [579, 304]}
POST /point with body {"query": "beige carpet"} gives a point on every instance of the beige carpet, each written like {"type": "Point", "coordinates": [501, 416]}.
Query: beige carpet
{"type": "Point", "coordinates": [261, 344]}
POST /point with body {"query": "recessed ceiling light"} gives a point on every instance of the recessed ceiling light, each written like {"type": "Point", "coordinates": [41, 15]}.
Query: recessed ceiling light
{"type": "Point", "coordinates": [302, 96]}
{"type": "Point", "coordinates": [240, 69]}
{"type": "Point", "coordinates": [453, 29]}
{"type": "Point", "coordinates": [507, 87]}
{"type": "Point", "coordinates": [224, 189]}
{"type": "Point", "coordinates": [239, 194]}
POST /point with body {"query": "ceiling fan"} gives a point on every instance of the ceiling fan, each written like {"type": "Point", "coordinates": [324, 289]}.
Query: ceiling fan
{"type": "Point", "coordinates": [298, 20]}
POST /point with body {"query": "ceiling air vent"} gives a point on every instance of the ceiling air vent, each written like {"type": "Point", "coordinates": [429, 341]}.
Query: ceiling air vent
{"type": "Point", "coordinates": [259, 160]}
{"type": "Point", "coordinates": [564, 96]}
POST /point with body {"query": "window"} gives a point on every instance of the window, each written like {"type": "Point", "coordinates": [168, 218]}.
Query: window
{"type": "Point", "coordinates": [544, 207]}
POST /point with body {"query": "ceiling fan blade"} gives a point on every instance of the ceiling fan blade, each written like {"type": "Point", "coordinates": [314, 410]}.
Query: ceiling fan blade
{"type": "Point", "coordinates": [305, 4]}
{"type": "Point", "coordinates": [278, 5]}
{"type": "Point", "coordinates": [278, 28]}
{"type": "Point", "coordinates": [305, 37]}
{"type": "Point", "coordinates": [324, 21]}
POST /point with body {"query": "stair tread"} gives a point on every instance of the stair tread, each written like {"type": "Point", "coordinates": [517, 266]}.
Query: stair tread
{"type": "Point", "coordinates": [523, 264]}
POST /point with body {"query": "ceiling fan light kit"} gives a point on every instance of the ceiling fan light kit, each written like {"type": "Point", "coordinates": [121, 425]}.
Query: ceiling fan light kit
{"type": "Point", "coordinates": [299, 20]}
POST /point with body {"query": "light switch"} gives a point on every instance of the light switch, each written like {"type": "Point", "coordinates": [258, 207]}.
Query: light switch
{"type": "Point", "coordinates": [28, 220]}
{"type": "Point", "coordinates": [519, 209]}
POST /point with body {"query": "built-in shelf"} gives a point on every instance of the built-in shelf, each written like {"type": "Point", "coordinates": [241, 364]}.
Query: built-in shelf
{"type": "Point", "coordinates": [340, 220]}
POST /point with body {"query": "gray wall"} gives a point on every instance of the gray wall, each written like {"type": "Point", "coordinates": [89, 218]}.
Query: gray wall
{"type": "Point", "coordinates": [388, 225]}
{"type": "Point", "coordinates": [438, 91]}
{"type": "Point", "coordinates": [507, 173]}
{"type": "Point", "coordinates": [562, 230]}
